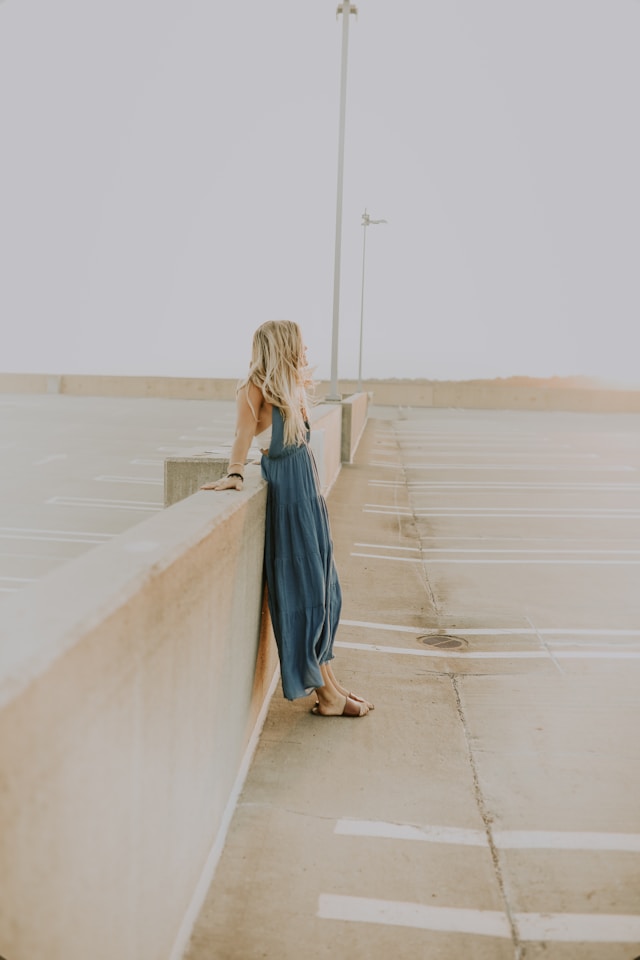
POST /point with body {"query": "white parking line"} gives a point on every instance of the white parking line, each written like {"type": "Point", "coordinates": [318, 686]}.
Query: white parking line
{"type": "Point", "coordinates": [382, 546]}
{"type": "Point", "coordinates": [49, 459]}
{"type": "Point", "coordinates": [506, 511]}
{"type": "Point", "coordinates": [472, 440]}
{"type": "Point", "coordinates": [107, 504]}
{"type": "Point", "coordinates": [570, 561]}
{"type": "Point", "coordinates": [547, 550]}
{"type": "Point", "coordinates": [534, 467]}
{"type": "Point", "coordinates": [559, 927]}
{"type": "Point", "coordinates": [446, 654]}
{"type": "Point", "coordinates": [578, 927]}
{"type": "Point", "coordinates": [154, 481]}
{"type": "Point", "coordinates": [504, 839]}
{"type": "Point", "coordinates": [491, 513]}
{"type": "Point", "coordinates": [417, 486]}
{"type": "Point", "coordinates": [200, 439]}
{"type": "Point", "coordinates": [568, 456]}
{"type": "Point", "coordinates": [488, 923]}
{"type": "Point", "coordinates": [147, 463]}
{"type": "Point", "coordinates": [54, 536]}
{"type": "Point", "coordinates": [582, 654]}
{"type": "Point", "coordinates": [498, 631]}
{"type": "Point", "coordinates": [375, 556]}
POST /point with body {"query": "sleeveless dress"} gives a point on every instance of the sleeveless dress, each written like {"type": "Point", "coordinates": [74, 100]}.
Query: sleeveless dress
{"type": "Point", "coordinates": [302, 582]}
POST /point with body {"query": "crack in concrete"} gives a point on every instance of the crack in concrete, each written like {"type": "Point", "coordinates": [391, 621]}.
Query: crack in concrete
{"type": "Point", "coordinates": [413, 523]}
{"type": "Point", "coordinates": [269, 805]}
{"type": "Point", "coordinates": [488, 823]}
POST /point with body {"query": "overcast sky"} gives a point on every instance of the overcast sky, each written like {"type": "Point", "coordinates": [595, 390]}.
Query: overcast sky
{"type": "Point", "coordinates": [168, 182]}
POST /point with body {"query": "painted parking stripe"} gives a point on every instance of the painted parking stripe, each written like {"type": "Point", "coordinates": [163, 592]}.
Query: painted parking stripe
{"type": "Point", "coordinates": [489, 923]}
{"type": "Point", "coordinates": [376, 556]}
{"type": "Point", "coordinates": [495, 560]}
{"type": "Point", "coordinates": [146, 463]}
{"type": "Point", "coordinates": [199, 439]}
{"type": "Point", "coordinates": [106, 478]}
{"type": "Point", "coordinates": [503, 511]}
{"type": "Point", "coordinates": [54, 536]}
{"type": "Point", "coordinates": [50, 459]}
{"type": "Point", "coordinates": [382, 546]}
{"type": "Point", "coordinates": [510, 550]}
{"type": "Point", "coordinates": [473, 440]}
{"type": "Point", "coordinates": [443, 513]}
{"type": "Point", "coordinates": [533, 467]}
{"type": "Point", "coordinates": [506, 452]}
{"type": "Point", "coordinates": [499, 631]}
{"type": "Point", "coordinates": [578, 927]}
{"type": "Point", "coordinates": [504, 839]}
{"type": "Point", "coordinates": [558, 927]}
{"type": "Point", "coordinates": [582, 654]}
{"type": "Point", "coordinates": [106, 504]}
{"type": "Point", "coordinates": [418, 486]}
{"type": "Point", "coordinates": [446, 654]}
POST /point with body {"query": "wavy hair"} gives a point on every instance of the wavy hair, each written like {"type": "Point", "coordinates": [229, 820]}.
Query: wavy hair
{"type": "Point", "coordinates": [279, 368]}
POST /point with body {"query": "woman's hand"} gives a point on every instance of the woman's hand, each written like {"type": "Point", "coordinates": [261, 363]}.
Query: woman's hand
{"type": "Point", "coordinates": [226, 483]}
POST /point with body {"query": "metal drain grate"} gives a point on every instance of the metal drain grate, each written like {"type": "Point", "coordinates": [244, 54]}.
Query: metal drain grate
{"type": "Point", "coordinates": [442, 641]}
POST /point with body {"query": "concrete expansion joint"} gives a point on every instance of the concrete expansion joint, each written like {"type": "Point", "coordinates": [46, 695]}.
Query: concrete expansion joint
{"type": "Point", "coordinates": [414, 526]}
{"type": "Point", "coordinates": [487, 820]}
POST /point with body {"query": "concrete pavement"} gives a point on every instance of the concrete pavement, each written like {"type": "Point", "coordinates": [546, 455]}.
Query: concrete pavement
{"type": "Point", "coordinates": [488, 807]}
{"type": "Point", "coordinates": [77, 471]}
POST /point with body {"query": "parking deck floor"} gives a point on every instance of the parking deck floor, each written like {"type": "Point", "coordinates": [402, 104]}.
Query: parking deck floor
{"type": "Point", "coordinates": [488, 807]}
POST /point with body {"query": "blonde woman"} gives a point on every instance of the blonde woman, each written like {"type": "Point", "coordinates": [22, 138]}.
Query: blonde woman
{"type": "Point", "coordinates": [302, 582]}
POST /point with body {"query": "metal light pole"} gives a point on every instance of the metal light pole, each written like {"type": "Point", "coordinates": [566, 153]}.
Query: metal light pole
{"type": "Point", "coordinates": [366, 221]}
{"type": "Point", "coordinates": [345, 9]}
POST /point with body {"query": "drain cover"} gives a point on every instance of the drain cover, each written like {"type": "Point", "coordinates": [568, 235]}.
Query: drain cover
{"type": "Point", "coordinates": [442, 641]}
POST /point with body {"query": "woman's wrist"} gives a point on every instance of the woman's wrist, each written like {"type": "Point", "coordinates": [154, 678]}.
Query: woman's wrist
{"type": "Point", "coordinates": [238, 475]}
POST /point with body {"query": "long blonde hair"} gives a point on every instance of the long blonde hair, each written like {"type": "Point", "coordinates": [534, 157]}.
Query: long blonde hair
{"type": "Point", "coordinates": [278, 367]}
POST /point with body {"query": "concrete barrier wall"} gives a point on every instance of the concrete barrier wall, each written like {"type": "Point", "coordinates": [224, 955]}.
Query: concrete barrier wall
{"type": "Point", "coordinates": [355, 410]}
{"type": "Point", "coordinates": [184, 475]}
{"type": "Point", "coordinates": [471, 394]}
{"type": "Point", "coordinates": [131, 681]}
{"type": "Point", "coordinates": [326, 442]}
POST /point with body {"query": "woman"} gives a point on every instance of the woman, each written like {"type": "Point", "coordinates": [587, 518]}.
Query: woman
{"type": "Point", "coordinates": [302, 583]}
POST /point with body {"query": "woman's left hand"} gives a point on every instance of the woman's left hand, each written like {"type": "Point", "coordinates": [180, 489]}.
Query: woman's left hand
{"type": "Point", "coordinates": [226, 483]}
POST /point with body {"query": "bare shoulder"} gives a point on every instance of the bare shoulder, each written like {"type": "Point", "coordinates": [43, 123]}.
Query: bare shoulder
{"type": "Point", "coordinates": [250, 401]}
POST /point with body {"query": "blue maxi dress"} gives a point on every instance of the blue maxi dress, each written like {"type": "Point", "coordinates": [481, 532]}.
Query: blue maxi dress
{"type": "Point", "coordinates": [302, 582]}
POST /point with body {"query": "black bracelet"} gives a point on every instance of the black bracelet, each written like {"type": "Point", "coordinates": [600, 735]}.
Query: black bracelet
{"type": "Point", "coordinates": [239, 475]}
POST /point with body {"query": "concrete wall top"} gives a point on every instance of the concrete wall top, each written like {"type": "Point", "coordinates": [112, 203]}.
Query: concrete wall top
{"type": "Point", "coordinates": [472, 394]}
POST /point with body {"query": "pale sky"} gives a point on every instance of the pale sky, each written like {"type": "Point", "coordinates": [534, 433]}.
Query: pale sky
{"type": "Point", "coordinates": [168, 182]}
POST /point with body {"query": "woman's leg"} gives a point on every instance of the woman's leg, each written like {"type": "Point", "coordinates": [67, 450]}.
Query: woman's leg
{"type": "Point", "coordinates": [343, 690]}
{"type": "Point", "coordinates": [333, 703]}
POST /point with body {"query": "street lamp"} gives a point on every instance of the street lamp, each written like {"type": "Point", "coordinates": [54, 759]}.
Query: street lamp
{"type": "Point", "coordinates": [345, 9]}
{"type": "Point", "coordinates": [366, 222]}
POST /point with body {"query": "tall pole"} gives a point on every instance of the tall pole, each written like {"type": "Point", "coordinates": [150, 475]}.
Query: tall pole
{"type": "Point", "coordinates": [346, 9]}
{"type": "Point", "coordinates": [365, 224]}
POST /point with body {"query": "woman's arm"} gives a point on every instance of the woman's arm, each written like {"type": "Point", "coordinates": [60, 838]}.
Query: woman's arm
{"type": "Point", "coordinates": [248, 405]}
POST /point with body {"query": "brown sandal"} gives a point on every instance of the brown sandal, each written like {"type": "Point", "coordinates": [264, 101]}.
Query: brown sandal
{"type": "Point", "coordinates": [352, 708]}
